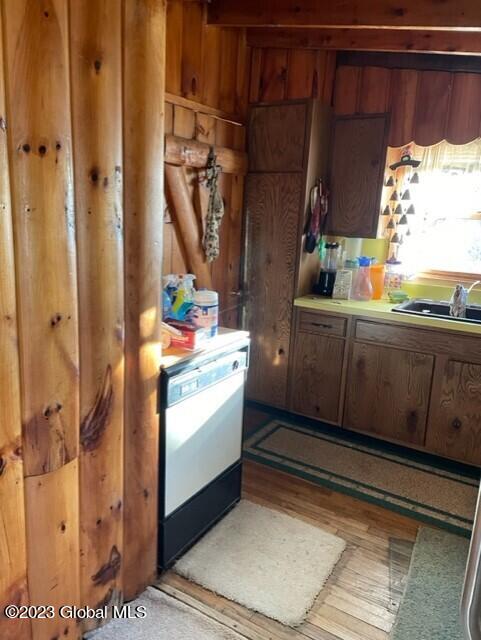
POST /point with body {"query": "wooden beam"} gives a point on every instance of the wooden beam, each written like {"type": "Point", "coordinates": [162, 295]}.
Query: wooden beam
{"type": "Point", "coordinates": [187, 225]}
{"type": "Point", "coordinates": [191, 153]}
{"type": "Point", "coordinates": [421, 41]}
{"type": "Point", "coordinates": [143, 101]}
{"type": "Point", "coordinates": [400, 14]}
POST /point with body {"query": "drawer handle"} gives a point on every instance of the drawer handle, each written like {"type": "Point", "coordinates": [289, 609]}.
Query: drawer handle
{"type": "Point", "coordinates": [456, 423]}
{"type": "Point", "coordinates": [320, 324]}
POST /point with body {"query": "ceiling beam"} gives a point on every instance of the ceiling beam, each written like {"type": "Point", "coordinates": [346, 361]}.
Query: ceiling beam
{"type": "Point", "coordinates": [394, 40]}
{"type": "Point", "coordinates": [395, 14]}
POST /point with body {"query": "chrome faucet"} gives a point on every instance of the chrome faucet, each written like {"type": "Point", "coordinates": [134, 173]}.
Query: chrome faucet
{"type": "Point", "coordinates": [459, 300]}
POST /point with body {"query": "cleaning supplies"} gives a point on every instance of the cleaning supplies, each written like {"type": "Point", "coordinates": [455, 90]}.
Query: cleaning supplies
{"type": "Point", "coordinates": [362, 288]}
{"type": "Point", "coordinates": [206, 311]}
{"type": "Point", "coordinates": [184, 299]}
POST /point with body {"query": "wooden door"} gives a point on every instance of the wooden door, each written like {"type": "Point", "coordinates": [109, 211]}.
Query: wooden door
{"type": "Point", "coordinates": [358, 157]}
{"type": "Point", "coordinates": [316, 376]}
{"type": "Point", "coordinates": [388, 392]}
{"type": "Point", "coordinates": [454, 428]}
{"type": "Point", "coordinates": [277, 135]}
{"type": "Point", "coordinates": [272, 209]}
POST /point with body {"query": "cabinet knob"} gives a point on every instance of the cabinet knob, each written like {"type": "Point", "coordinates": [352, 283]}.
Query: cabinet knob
{"type": "Point", "coordinates": [456, 423]}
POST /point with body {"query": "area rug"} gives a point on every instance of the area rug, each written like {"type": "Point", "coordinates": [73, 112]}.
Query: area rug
{"type": "Point", "coordinates": [264, 560]}
{"type": "Point", "coordinates": [430, 607]}
{"type": "Point", "coordinates": [430, 493]}
{"type": "Point", "coordinates": [166, 619]}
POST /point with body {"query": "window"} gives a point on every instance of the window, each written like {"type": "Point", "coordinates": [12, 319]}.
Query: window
{"type": "Point", "coordinates": [445, 232]}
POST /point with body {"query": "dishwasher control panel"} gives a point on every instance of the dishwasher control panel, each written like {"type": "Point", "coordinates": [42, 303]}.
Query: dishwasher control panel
{"type": "Point", "coordinates": [185, 385]}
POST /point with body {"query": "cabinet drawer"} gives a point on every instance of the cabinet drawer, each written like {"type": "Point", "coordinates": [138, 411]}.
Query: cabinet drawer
{"type": "Point", "coordinates": [425, 340]}
{"type": "Point", "coordinates": [320, 323]}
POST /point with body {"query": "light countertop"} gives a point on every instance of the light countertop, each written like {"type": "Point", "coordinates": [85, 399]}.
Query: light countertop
{"type": "Point", "coordinates": [224, 339]}
{"type": "Point", "coordinates": [381, 310]}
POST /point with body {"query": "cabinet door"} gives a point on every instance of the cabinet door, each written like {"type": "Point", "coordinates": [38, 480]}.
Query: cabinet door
{"type": "Point", "coordinates": [272, 212]}
{"type": "Point", "coordinates": [316, 376]}
{"type": "Point", "coordinates": [388, 392]}
{"type": "Point", "coordinates": [358, 157]}
{"type": "Point", "coordinates": [455, 415]}
{"type": "Point", "coordinates": [277, 137]}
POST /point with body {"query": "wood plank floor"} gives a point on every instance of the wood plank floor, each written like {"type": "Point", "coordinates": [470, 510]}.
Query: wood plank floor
{"type": "Point", "coordinates": [361, 597]}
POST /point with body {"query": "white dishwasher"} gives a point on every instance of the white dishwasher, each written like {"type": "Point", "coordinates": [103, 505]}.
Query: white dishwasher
{"type": "Point", "coordinates": [201, 416]}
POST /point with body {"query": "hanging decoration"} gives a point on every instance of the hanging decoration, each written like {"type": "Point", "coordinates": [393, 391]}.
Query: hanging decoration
{"type": "Point", "coordinates": [401, 176]}
{"type": "Point", "coordinates": [215, 209]}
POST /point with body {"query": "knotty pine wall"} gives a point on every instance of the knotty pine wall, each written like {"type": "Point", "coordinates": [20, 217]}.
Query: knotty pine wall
{"type": "Point", "coordinates": [426, 106]}
{"type": "Point", "coordinates": [206, 82]}
{"type": "Point", "coordinates": [81, 204]}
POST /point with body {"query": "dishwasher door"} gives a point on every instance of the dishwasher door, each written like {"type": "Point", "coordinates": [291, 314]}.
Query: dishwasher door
{"type": "Point", "coordinates": [471, 598]}
{"type": "Point", "coordinates": [203, 431]}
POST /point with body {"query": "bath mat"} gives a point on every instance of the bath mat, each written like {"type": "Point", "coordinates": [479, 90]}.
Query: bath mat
{"type": "Point", "coordinates": [166, 619]}
{"type": "Point", "coordinates": [430, 607]}
{"type": "Point", "coordinates": [265, 561]}
{"type": "Point", "coordinates": [432, 494]}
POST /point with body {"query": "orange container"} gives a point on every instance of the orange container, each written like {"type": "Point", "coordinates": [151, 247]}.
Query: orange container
{"type": "Point", "coordinates": [377, 280]}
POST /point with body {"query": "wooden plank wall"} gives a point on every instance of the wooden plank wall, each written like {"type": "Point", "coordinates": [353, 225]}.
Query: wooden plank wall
{"type": "Point", "coordinates": [209, 67]}
{"type": "Point", "coordinates": [287, 74]}
{"type": "Point", "coordinates": [426, 106]}
{"type": "Point", "coordinates": [81, 195]}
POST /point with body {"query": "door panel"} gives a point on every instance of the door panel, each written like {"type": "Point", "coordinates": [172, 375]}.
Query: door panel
{"type": "Point", "coordinates": [388, 392]}
{"type": "Point", "coordinates": [455, 415]}
{"type": "Point", "coordinates": [317, 376]}
{"type": "Point", "coordinates": [272, 208]}
{"type": "Point", "coordinates": [277, 137]}
{"type": "Point", "coordinates": [358, 157]}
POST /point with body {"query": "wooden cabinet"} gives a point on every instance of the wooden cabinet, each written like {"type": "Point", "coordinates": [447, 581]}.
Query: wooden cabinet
{"type": "Point", "coordinates": [388, 392]}
{"type": "Point", "coordinates": [357, 161]}
{"type": "Point", "coordinates": [272, 206]}
{"type": "Point", "coordinates": [288, 144]}
{"type": "Point", "coordinates": [455, 415]}
{"type": "Point", "coordinates": [277, 137]}
{"type": "Point", "coordinates": [316, 376]}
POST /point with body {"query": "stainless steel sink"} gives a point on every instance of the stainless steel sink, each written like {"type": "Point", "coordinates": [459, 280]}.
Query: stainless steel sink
{"type": "Point", "coordinates": [437, 309]}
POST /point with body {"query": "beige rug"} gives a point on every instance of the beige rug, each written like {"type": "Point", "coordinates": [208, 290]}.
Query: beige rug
{"type": "Point", "coordinates": [166, 619]}
{"type": "Point", "coordinates": [410, 484]}
{"type": "Point", "coordinates": [265, 561]}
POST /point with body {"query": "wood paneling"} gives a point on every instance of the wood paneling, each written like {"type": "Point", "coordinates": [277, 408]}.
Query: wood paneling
{"type": "Point", "coordinates": [432, 106]}
{"type": "Point", "coordinates": [346, 90]}
{"type": "Point", "coordinates": [203, 63]}
{"type": "Point", "coordinates": [426, 106]}
{"type": "Point", "coordinates": [13, 553]}
{"type": "Point", "coordinates": [404, 83]}
{"type": "Point", "coordinates": [451, 42]}
{"type": "Point", "coordinates": [388, 392]}
{"type": "Point", "coordinates": [375, 85]}
{"type": "Point", "coordinates": [277, 136]}
{"type": "Point", "coordinates": [95, 27]}
{"type": "Point", "coordinates": [273, 82]}
{"type": "Point", "coordinates": [316, 376]}
{"type": "Point", "coordinates": [37, 74]}
{"type": "Point", "coordinates": [278, 74]}
{"type": "Point", "coordinates": [272, 210]}
{"type": "Point", "coordinates": [455, 415]}
{"type": "Point", "coordinates": [358, 156]}
{"type": "Point", "coordinates": [143, 99]}
{"type": "Point", "coordinates": [416, 14]}
{"type": "Point", "coordinates": [464, 121]}
{"type": "Point", "coordinates": [53, 547]}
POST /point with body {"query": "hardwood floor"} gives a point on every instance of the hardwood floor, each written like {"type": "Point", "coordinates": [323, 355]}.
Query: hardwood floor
{"type": "Point", "coordinates": [361, 597]}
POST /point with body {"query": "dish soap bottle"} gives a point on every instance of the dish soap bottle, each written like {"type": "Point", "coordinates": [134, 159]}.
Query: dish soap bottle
{"type": "Point", "coordinates": [362, 289]}
{"type": "Point", "coordinates": [184, 300]}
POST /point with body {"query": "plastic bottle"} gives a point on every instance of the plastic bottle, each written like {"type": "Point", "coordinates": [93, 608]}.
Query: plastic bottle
{"type": "Point", "coordinates": [184, 300]}
{"type": "Point", "coordinates": [362, 288]}
{"type": "Point", "coordinates": [377, 280]}
{"type": "Point", "coordinates": [206, 311]}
